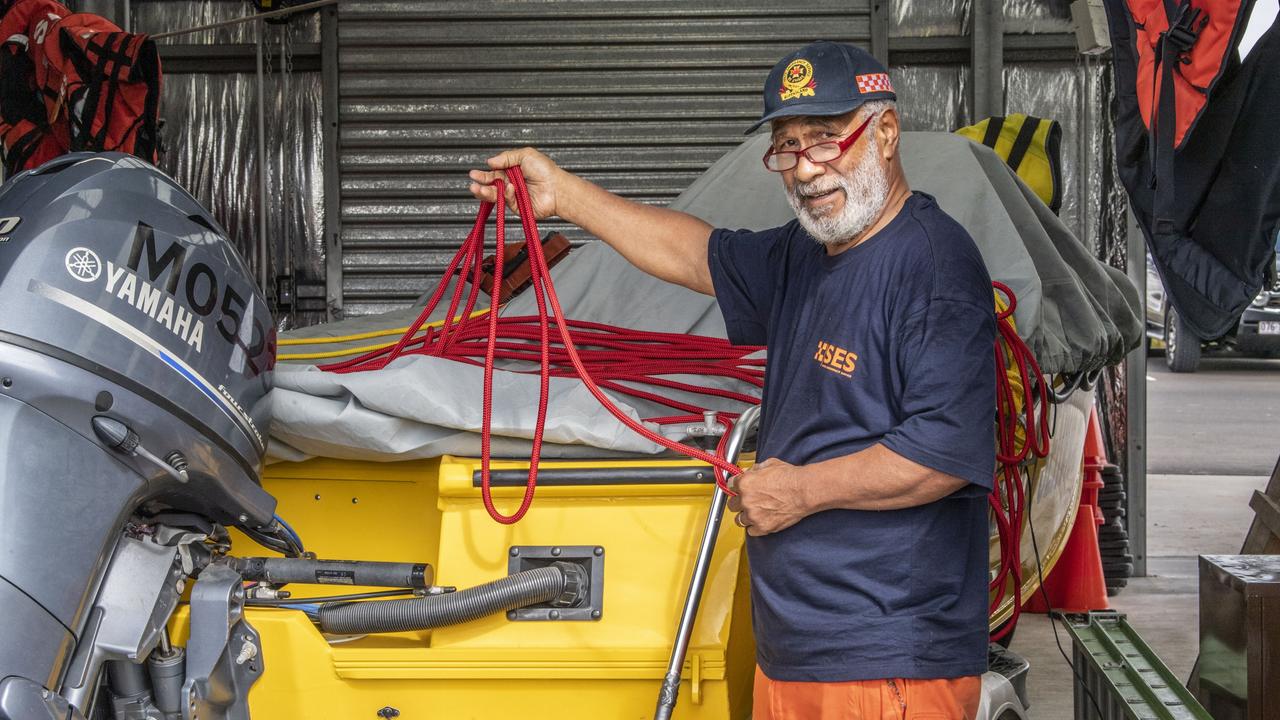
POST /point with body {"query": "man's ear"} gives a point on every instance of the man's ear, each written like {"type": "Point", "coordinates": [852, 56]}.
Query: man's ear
{"type": "Point", "coordinates": [888, 131]}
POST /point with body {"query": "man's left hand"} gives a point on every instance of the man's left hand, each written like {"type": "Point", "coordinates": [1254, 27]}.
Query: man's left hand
{"type": "Point", "coordinates": [770, 497]}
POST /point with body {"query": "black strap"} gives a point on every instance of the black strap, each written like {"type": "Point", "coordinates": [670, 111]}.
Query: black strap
{"type": "Point", "coordinates": [115, 42]}
{"type": "Point", "coordinates": [1184, 30]}
{"type": "Point", "coordinates": [1053, 150]}
{"type": "Point", "coordinates": [147, 138]}
{"type": "Point", "coordinates": [16, 156]}
{"type": "Point", "coordinates": [994, 125]}
{"type": "Point", "coordinates": [1023, 142]}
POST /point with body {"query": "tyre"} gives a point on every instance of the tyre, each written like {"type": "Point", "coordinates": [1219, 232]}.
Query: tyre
{"type": "Point", "coordinates": [1182, 347]}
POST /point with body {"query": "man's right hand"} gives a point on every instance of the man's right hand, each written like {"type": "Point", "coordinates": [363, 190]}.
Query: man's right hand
{"type": "Point", "coordinates": [664, 243]}
{"type": "Point", "coordinates": [541, 175]}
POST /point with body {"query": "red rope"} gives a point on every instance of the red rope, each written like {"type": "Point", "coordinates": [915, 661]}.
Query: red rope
{"type": "Point", "coordinates": [638, 364]}
{"type": "Point", "coordinates": [1008, 499]}
{"type": "Point", "coordinates": [621, 360]}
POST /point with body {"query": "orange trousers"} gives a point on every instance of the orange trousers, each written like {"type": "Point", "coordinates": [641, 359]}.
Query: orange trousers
{"type": "Point", "coordinates": [896, 699]}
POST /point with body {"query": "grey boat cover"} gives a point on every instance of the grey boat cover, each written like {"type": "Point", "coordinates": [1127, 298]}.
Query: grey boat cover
{"type": "Point", "coordinates": [1076, 314]}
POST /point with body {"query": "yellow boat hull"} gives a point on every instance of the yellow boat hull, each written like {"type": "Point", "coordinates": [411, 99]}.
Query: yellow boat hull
{"type": "Point", "coordinates": [431, 511]}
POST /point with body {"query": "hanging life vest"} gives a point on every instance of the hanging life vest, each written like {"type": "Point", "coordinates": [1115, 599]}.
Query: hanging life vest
{"type": "Point", "coordinates": [1031, 146]}
{"type": "Point", "coordinates": [1195, 149]}
{"type": "Point", "coordinates": [110, 84]}
{"type": "Point", "coordinates": [99, 86]}
{"type": "Point", "coordinates": [28, 138]}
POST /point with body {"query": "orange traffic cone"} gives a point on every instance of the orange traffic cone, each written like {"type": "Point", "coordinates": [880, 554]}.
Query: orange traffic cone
{"type": "Point", "coordinates": [1076, 583]}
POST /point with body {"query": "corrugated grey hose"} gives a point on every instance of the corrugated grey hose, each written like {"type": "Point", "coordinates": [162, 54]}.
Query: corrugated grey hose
{"type": "Point", "coordinates": [528, 587]}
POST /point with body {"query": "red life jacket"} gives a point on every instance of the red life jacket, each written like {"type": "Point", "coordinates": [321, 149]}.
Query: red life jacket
{"type": "Point", "coordinates": [28, 138]}
{"type": "Point", "coordinates": [109, 85]}
{"type": "Point", "coordinates": [28, 24]}
{"type": "Point", "coordinates": [1196, 149]}
{"type": "Point", "coordinates": [1204, 31]}
{"type": "Point", "coordinates": [100, 87]}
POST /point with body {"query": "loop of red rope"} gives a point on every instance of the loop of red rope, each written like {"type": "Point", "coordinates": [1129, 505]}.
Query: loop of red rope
{"type": "Point", "coordinates": [1008, 499]}
{"type": "Point", "coordinates": [620, 360]}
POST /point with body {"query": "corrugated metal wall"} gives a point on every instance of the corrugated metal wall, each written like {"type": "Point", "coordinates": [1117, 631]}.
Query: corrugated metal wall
{"type": "Point", "coordinates": [640, 97]}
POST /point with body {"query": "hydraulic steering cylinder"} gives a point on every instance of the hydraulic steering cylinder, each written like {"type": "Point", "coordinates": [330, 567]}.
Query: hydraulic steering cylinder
{"type": "Point", "coordinates": [334, 572]}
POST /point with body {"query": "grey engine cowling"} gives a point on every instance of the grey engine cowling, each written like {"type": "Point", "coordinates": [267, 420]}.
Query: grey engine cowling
{"type": "Point", "coordinates": [119, 297]}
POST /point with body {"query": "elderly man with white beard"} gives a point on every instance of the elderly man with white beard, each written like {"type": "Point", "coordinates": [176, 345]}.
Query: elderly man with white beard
{"type": "Point", "coordinates": [866, 512]}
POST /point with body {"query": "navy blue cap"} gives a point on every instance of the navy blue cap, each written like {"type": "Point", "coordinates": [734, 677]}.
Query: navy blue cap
{"type": "Point", "coordinates": [823, 78]}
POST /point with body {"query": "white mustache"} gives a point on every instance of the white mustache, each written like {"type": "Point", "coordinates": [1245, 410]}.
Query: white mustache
{"type": "Point", "coordinates": [816, 188]}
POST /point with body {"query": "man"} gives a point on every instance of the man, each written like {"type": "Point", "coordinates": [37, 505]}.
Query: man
{"type": "Point", "coordinates": [867, 517]}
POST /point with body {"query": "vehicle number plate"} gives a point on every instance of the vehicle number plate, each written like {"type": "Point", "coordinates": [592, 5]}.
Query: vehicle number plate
{"type": "Point", "coordinates": [1269, 327]}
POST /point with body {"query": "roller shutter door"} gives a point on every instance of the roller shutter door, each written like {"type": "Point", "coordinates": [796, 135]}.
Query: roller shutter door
{"type": "Point", "coordinates": [639, 97]}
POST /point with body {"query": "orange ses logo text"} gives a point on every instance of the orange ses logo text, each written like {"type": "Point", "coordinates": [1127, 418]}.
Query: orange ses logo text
{"type": "Point", "coordinates": [837, 360]}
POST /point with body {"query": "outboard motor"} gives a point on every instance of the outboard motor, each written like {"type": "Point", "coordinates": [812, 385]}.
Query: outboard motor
{"type": "Point", "coordinates": [135, 358]}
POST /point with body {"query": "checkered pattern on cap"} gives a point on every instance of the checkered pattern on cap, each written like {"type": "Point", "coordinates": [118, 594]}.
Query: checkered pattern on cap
{"type": "Point", "coordinates": [873, 83]}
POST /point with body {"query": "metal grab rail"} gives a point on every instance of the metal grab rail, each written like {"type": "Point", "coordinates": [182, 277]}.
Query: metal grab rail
{"type": "Point", "coordinates": [742, 429]}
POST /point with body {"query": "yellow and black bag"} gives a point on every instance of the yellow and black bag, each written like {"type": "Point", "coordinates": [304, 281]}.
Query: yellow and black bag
{"type": "Point", "coordinates": [1032, 146]}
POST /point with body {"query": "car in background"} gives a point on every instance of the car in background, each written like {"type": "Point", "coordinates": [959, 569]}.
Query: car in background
{"type": "Point", "coordinates": [1257, 334]}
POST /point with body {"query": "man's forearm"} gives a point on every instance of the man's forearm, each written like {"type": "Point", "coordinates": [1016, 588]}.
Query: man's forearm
{"type": "Point", "coordinates": [876, 478]}
{"type": "Point", "coordinates": [665, 243]}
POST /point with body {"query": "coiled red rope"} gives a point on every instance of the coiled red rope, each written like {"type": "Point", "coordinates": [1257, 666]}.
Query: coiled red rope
{"type": "Point", "coordinates": [619, 360]}
{"type": "Point", "coordinates": [1008, 499]}
{"type": "Point", "coordinates": [625, 361]}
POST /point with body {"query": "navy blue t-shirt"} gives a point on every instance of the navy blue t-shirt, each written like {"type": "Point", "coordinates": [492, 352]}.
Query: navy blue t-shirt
{"type": "Point", "coordinates": [888, 342]}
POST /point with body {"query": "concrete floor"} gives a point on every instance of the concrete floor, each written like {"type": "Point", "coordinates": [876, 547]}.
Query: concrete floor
{"type": "Point", "coordinates": [1212, 441]}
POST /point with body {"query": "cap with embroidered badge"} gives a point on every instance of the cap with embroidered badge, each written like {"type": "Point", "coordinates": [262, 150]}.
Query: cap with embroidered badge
{"type": "Point", "coordinates": [823, 78]}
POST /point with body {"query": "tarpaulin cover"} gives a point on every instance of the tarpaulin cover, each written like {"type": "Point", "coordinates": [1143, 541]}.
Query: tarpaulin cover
{"type": "Point", "coordinates": [1076, 314]}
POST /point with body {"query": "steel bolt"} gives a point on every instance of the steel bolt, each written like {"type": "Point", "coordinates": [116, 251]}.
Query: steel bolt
{"type": "Point", "coordinates": [555, 552]}
{"type": "Point", "coordinates": [7, 382]}
{"type": "Point", "coordinates": [317, 496]}
{"type": "Point", "coordinates": [599, 551]}
{"type": "Point", "coordinates": [243, 518]}
{"type": "Point", "coordinates": [180, 585]}
{"type": "Point", "coordinates": [248, 651]}
{"type": "Point", "coordinates": [511, 614]}
{"type": "Point", "coordinates": [554, 614]}
{"type": "Point", "coordinates": [595, 614]}
{"type": "Point", "coordinates": [515, 551]}
{"type": "Point", "coordinates": [355, 501]}
{"type": "Point", "coordinates": [388, 712]}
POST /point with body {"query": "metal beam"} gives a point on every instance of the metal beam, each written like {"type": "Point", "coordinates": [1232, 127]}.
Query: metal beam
{"type": "Point", "coordinates": [988, 59]}
{"type": "Point", "coordinates": [332, 189]}
{"type": "Point", "coordinates": [1136, 413]}
{"type": "Point", "coordinates": [229, 58]}
{"type": "Point", "coordinates": [958, 49]}
{"type": "Point", "coordinates": [260, 87]}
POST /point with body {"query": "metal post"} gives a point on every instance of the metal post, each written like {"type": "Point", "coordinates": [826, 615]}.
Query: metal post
{"type": "Point", "coordinates": [1083, 157]}
{"type": "Point", "coordinates": [671, 682]}
{"type": "Point", "coordinates": [880, 11]}
{"type": "Point", "coordinates": [285, 243]}
{"type": "Point", "coordinates": [332, 191]}
{"type": "Point", "coordinates": [1136, 413]}
{"type": "Point", "coordinates": [988, 59]}
{"type": "Point", "coordinates": [263, 255]}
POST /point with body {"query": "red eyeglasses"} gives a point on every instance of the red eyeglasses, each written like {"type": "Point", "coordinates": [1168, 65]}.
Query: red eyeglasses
{"type": "Point", "coordinates": [823, 152]}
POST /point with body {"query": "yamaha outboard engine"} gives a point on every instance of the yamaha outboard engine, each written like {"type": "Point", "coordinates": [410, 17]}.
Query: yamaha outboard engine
{"type": "Point", "coordinates": [135, 358]}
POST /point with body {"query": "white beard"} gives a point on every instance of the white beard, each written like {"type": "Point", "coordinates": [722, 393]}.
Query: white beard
{"type": "Point", "coordinates": [866, 191]}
